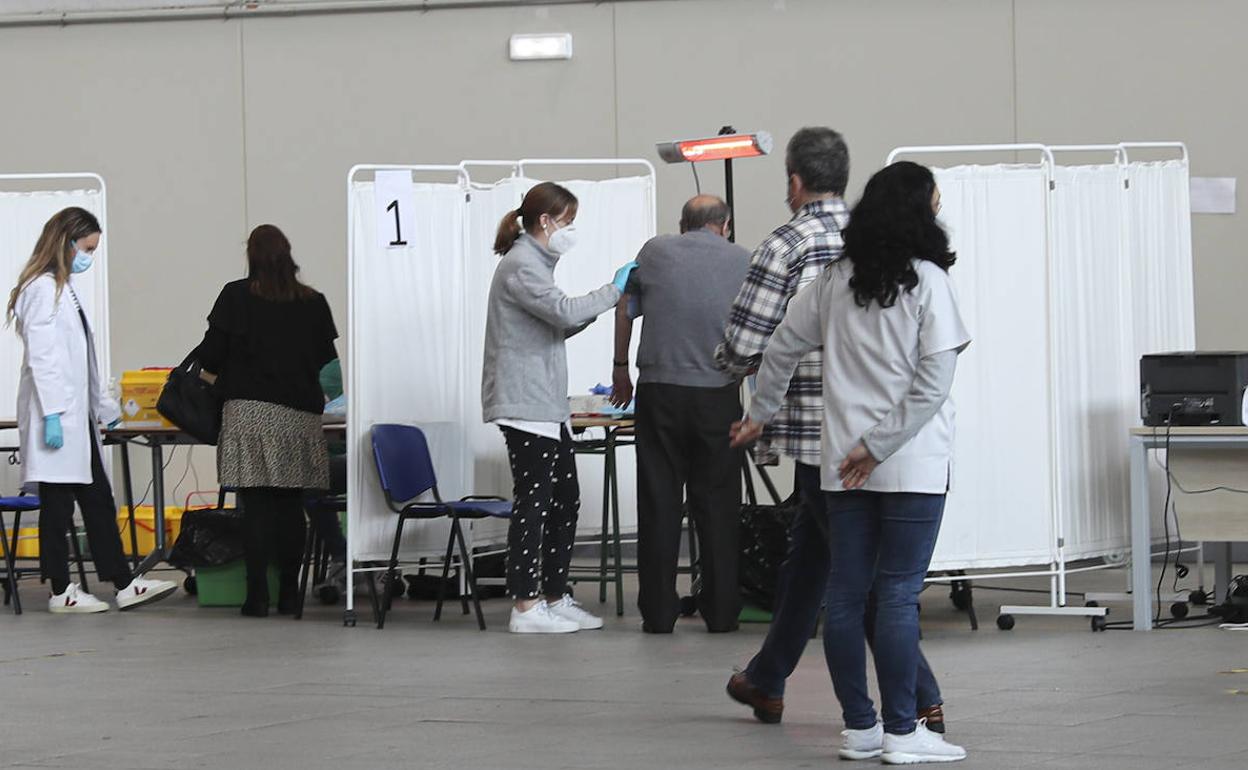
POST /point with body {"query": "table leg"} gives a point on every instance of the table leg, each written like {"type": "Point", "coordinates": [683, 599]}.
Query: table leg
{"type": "Point", "coordinates": [605, 539]}
{"type": "Point", "coordinates": [158, 514]}
{"type": "Point", "coordinates": [127, 484]}
{"type": "Point", "coordinates": [615, 525]}
{"type": "Point", "coordinates": [1141, 539]}
{"type": "Point", "coordinates": [1221, 571]}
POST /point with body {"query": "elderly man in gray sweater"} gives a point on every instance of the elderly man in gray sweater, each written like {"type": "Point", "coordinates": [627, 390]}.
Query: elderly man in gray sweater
{"type": "Point", "coordinates": [684, 287]}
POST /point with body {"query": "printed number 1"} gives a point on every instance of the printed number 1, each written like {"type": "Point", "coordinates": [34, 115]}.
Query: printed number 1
{"type": "Point", "coordinates": [398, 229]}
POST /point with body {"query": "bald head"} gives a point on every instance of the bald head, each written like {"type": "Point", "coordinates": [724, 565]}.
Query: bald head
{"type": "Point", "coordinates": [704, 211]}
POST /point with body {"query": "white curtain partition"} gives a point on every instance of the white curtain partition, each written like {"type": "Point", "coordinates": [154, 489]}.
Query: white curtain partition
{"type": "Point", "coordinates": [417, 335]}
{"type": "Point", "coordinates": [1063, 292]}
{"type": "Point", "coordinates": [22, 217]}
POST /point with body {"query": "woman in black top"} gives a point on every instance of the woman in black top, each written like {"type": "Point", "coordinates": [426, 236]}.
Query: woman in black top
{"type": "Point", "coordinates": [268, 337]}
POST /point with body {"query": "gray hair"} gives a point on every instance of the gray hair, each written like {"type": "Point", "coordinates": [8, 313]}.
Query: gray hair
{"type": "Point", "coordinates": [820, 157]}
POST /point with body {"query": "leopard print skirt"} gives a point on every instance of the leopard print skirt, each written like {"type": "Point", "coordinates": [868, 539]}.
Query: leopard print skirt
{"type": "Point", "coordinates": [270, 445]}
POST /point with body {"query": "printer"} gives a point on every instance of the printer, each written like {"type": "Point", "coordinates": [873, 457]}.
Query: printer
{"type": "Point", "coordinates": [1194, 388]}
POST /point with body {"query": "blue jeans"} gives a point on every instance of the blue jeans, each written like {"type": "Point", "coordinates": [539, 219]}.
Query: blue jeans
{"type": "Point", "coordinates": [800, 593]}
{"type": "Point", "coordinates": [881, 541]}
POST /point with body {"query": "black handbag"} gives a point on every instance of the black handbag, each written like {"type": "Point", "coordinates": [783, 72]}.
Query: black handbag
{"type": "Point", "coordinates": [191, 403]}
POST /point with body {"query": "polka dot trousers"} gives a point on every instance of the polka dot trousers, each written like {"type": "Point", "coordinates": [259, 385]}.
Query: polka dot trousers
{"type": "Point", "coordinates": [546, 501]}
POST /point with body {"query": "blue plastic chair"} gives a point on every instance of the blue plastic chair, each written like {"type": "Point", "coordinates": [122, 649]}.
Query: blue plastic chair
{"type": "Point", "coordinates": [8, 548]}
{"type": "Point", "coordinates": [406, 471]}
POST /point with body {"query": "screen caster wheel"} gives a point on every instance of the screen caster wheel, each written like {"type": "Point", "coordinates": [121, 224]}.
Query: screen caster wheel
{"type": "Point", "coordinates": [190, 585]}
{"type": "Point", "coordinates": [1005, 622]}
{"type": "Point", "coordinates": [688, 606]}
{"type": "Point", "coordinates": [1098, 623]}
{"type": "Point", "coordinates": [348, 619]}
{"type": "Point", "coordinates": [1178, 610]}
{"type": "Point", "coordinates": [1198, 598]}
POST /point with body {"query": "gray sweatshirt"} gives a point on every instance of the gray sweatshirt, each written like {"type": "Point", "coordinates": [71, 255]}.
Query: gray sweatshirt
{"type": "Point", "coordinates": [525, 371]}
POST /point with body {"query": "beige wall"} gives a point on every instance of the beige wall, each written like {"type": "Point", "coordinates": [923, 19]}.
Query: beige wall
{"type": "Point", "coordinates": [204, 129]}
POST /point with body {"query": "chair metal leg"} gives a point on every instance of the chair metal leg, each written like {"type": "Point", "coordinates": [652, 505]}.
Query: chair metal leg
{"type": "Point", "coordinates": [615, 526]}
{"type": "Point", "coordinates": [309, 548]}
{"type": "Point", "coordinates": [605, 541]}
{"type": "Point", "coordinates": [392, 572]}
{"type": "Point", "coordinates": [10, 578]}
{"type": "Point", "coordinates": [82, 570]}
{"type": "Point", "coordinates": [372, 598]}
{"type": "Point", "coordinates": [469, 578]}
{"type": "Point", "coordinates": [463, 596]}
{"type": "Point", "coordinates": [446, 573]}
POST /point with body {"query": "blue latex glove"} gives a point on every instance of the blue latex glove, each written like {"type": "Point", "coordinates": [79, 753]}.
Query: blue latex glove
{"type": "Point", "coordinates": [53, 436]}
{"type": "Point", "coordinates": [621, 276]}
{"type": "Point", "coordinates": [113, 425]}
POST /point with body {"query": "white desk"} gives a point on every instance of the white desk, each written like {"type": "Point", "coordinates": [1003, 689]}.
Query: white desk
{"type": "Point", "coordinates": [1144, 440]}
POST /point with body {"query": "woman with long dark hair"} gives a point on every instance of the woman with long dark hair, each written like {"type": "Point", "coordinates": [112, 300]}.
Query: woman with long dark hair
{"type": "Point", "coordinates": [61, 403]}
{"type": "Point", "coordinates": [268, 337]}
{"type": "Point", "coordinates": [524, 391]}
{"type": "Point", "coordinates": [888, 321]}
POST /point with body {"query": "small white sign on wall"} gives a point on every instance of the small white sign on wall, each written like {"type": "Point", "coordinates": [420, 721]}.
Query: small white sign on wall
{"type": "Point", "coordinates": [394, 208]}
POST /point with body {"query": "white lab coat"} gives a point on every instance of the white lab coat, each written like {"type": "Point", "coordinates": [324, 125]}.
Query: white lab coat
{"type": "Point", "coordinates": [60, 374]}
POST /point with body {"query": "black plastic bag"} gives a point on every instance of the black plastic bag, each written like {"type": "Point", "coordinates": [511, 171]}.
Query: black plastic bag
{"type": "Point", "coordinates": [211, 537]}
{"type": "Point", "coordinates": [764, 545]}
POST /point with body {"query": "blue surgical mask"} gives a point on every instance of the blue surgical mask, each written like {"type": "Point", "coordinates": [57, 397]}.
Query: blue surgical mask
{"type": "Point", "coordinates": [82, 260]}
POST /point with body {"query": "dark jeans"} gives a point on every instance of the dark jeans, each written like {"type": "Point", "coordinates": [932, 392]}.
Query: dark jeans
{"type": "Point", "coordinates": [99, 516]}
{"type": "Point", "coordinates": [883, 541]}
{"type": "Point", "coordinates": [683, 454]}
{"type": "Point", "coordinates": [546, 502]}
{"type": "Point", "coordinates": [324, 519]}
{"type": "Point", "coordinates": [800, 593]}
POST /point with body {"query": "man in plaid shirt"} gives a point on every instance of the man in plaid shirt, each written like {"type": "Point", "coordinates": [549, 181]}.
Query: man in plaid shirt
{"type": "Point", "coordinates": [817, 163]}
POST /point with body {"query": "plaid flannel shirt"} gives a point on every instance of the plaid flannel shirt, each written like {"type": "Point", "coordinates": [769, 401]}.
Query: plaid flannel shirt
{"type": "Point", "coordinates": [791, 257]}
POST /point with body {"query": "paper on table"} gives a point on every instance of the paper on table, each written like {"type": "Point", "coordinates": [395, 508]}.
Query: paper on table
{"type": "Point", "coordinates": [1213, 195]}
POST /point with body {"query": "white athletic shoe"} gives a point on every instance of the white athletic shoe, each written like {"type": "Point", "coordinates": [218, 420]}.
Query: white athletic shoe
{"type": "Point", "coordinates": [863, 744]}
{"type": "Point", "coordinates": [142, 591]}
{"type": "Point", "coordinates": [539, 620]}
{"type": "Point", "coordinates": [919, 747]}
{"type": "Point", "coordinates": [569, 609]}
{"type": "Point", "coordinates": [75, 601]}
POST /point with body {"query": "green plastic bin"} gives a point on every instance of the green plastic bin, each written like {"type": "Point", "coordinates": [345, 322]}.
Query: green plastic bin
{"type": "Point", "coordinates": [226, 586]}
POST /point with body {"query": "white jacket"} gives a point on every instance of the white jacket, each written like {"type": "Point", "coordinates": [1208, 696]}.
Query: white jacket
{"type": "Point", "coordinates": [60, 375]}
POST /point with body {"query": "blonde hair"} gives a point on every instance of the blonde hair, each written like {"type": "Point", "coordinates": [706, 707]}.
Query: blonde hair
{"type": "Point", "coordinates": [53, 253]}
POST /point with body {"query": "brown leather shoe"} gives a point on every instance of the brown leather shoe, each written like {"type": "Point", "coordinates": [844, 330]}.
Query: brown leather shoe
{"type": "Point", "coordinates": [766, 710]}
{"type": "Point", "coordinates": [935, 717]}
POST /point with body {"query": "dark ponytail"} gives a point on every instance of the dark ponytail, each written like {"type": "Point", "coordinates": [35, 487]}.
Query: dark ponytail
{"type": "Point", "coordinates": [545, 198]}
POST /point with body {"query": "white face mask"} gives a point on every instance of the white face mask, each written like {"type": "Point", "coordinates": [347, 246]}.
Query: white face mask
{"type": "Point", "coordinates": [563, 240]}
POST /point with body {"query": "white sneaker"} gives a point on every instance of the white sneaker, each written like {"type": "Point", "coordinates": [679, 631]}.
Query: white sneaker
{"type": "Point", "coordinates": [539, 620]}
{"type": "Point", "coordinates": [142, 591]}
{"type": "Point", "coordinates": [919, 747]}
{"type": "Point", "coordinates": [863, 744]}
{"type": "Point", "coordinates": [75, 601]}
{"type": "Point", "coordinates": [569, 609]}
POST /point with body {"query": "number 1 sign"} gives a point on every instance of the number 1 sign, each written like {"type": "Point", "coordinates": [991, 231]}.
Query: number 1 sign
{"type": "Point", "coordinates": [395, 208]}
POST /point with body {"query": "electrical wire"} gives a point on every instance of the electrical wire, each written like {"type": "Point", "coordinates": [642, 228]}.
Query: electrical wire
{"type": "Point", "coordinates": [696, 183]}
{"type": "Point", "coordinates": [1165, 515]}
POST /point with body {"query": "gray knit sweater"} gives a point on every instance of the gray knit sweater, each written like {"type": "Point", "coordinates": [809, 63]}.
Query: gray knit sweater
{"type": "Point", "coordinates": [525, 372]}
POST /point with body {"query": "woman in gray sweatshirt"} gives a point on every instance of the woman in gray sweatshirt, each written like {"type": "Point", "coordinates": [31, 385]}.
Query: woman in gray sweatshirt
{"type": "Point", "coordinates": [524, 390]}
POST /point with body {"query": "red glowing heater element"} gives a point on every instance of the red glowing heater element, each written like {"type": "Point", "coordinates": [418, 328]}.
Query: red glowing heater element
{"type": "Point", "coordinates": [716, 148]}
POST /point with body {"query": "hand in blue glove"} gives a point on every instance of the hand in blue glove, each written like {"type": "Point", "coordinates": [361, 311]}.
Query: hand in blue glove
{"type": "Point", "coordinates": [113, 425]}
{"type": "Point", "coordinates": [53, 436]}
{"type": "Point", "coordinates": [621, 276]}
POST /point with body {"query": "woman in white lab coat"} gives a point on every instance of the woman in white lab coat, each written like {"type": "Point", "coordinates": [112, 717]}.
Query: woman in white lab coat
{"type": "Point", "coordinates": [61, 400]}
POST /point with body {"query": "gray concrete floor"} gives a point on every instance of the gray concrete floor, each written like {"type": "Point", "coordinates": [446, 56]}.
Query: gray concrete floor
{"type": "Point", "coordinates": [174, 686]}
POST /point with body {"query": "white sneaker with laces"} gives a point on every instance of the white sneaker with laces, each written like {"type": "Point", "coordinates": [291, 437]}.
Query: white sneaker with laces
{"type": "Point", "coordinates": [863, 744]}
{"type": "Point", "coordinates": [75, 601]}
{"type": "Point", "coordinates": [142, 591]}
{"type": "Point", "coordinates": [569, 609]}
{"type": "Point", "coordinates": [919, 747]}
{"type": "Point", "coordinates": [539, 620]}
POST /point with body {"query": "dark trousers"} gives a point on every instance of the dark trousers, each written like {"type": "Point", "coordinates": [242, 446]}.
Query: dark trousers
{"type": "Point", "coordinates": [683, 454]}
{"type": "Point", "coordinates": [99, 516]}
{"type": "Point", "coordinates": [881, 543]}
{"type": "Point", "coordinates": [546, 504]}
{"type": "Point", "coordinates": [800, 593]}
{"type": "Point", "coordinates": [273, 530]}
